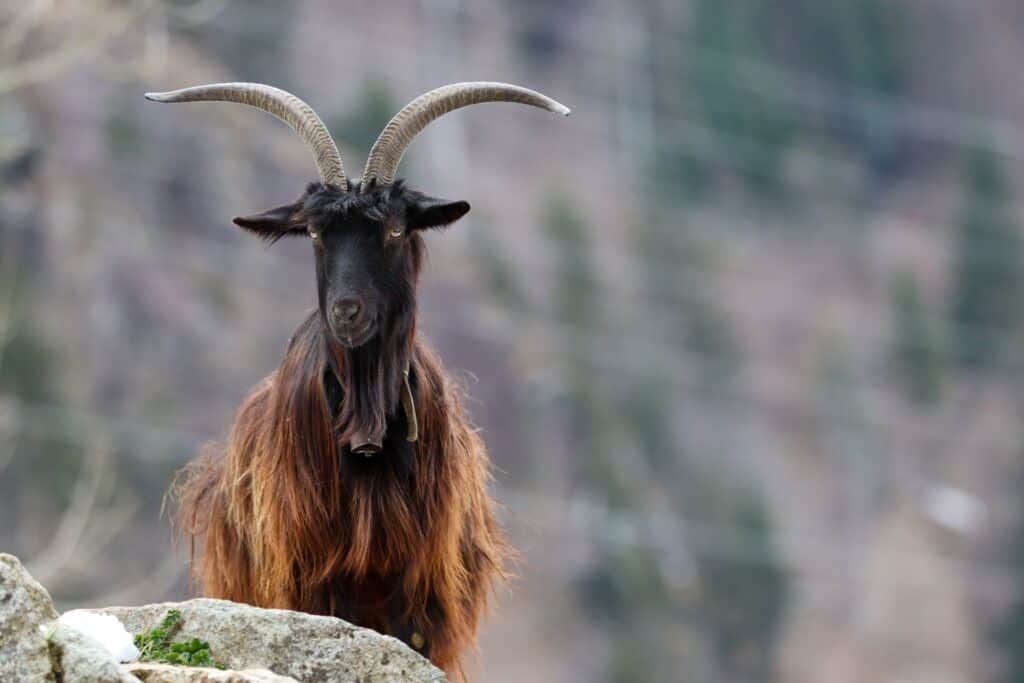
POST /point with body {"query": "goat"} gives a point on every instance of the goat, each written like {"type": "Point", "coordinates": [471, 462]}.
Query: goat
{"type": "Point", "coordinates": [352, 483]}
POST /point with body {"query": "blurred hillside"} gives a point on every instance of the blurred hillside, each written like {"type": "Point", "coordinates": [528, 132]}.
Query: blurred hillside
{"type": "Point", "coordinates": [743, 334]}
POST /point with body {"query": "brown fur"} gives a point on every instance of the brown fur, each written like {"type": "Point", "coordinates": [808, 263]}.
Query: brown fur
{"type": "Point", "coordinates": [405, 542]}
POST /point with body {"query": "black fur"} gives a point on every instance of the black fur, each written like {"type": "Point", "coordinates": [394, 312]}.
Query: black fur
{"type": "Point", "coordinates": [358, 256]}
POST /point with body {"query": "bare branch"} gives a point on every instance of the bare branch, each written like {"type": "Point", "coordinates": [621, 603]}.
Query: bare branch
{"type": "Point", "coordinates": [52, 64]}
{"type": "Point", "coordinates": [60, 552]}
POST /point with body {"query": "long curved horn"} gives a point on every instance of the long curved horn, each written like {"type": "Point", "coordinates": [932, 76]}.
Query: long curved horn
{"type": "Point", "coordinates": [285, 106]}
{"type": "Point", "coordinates": [387, 151]}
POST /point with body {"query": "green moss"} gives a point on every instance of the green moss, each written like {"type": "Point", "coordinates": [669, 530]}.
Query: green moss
{"type": "Point", "coordinates": [156, 646]}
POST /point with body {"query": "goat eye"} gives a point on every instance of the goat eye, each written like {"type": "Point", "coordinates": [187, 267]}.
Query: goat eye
{"type": "Point", "coordinates": [396, 232]}
{"type": "Point", "coordinates": [314, 235]}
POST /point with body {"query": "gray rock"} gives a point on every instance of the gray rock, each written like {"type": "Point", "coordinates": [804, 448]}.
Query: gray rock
{"type": "Point", "coordinates": [151, 672]}
{"type": "Point", "coordinates": [24, 607]}
{"type": "Point", "coordinates": [260, 645]}
{"type": "Point", "coordinates": [311, 649]}
{"type": "Point", "coordinates": [80, 659]}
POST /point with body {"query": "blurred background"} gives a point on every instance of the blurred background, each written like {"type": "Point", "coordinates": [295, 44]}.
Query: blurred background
{"type": "Point", "coordinates": [743, 334]}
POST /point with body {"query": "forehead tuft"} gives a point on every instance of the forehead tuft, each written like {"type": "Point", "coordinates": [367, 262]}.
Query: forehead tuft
{"type": "Point", "coordinates": [328, 202]}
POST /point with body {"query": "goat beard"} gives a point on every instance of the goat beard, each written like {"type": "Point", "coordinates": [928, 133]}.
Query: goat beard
{"type": "Point", "coordinates": [369, 382]}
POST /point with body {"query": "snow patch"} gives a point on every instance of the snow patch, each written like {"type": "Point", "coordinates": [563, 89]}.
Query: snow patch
{"type": "Point", "coordinates": [105, 629]}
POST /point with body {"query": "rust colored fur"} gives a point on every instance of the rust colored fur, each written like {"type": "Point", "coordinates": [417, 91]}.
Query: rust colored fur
{"type": "Point", "coordinates": [405, 542]}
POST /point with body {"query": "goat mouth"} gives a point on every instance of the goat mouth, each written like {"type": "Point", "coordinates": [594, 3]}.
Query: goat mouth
{"type": "Point", "coordinates": [355, 338]}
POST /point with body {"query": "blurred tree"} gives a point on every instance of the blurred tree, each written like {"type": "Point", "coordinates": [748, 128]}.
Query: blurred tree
{"type": "Point", "coordinates": [251, 41]}
{"type": "Point", "coordinates": [498, 275]}
{"type": "Point", "coordinates": [540, 27]}
{"type": "Point", "coordinates": [359, 127]}
{"type": "Point", "coordinates": [623, 588]}
{"type": "Point", "coordinates": [577, 297]}
{"type": "Point", "coordinates": [916, 352]}
{"type": "Point", "coordinates": [855, 456]}
{"type": "Point", "coordinates": [577, 289]}
{"type": "Point", "coordinates": [679, 282]}
{"type": "Point", "coordinates": [626, 592]}
{"type": "Point", "coordinates": [651, 408]}
{"type": "Point", "coordinates": [43, 453]}
{"type": "Point", "coordinates": [1007, 633]}
{"type": "Point", "coordinates": [857, 50]}
{"type": "Point", "coordinates": [27, 363]}
{"type": "Point", "coordinates": [855, 56]}
{"type": "Point", "coordinates": [752, 130]}
{"type": "Point", "coordinates": [744, 587]}
{"type": "Point", "coordinates": [986, 297]}
{"type": "Point", "coordinates": [741, 588]}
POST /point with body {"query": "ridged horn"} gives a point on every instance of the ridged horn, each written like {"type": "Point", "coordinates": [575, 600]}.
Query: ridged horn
{"type": "Point", "coordinates": [285, 106]}
{"type": "Point", "coordinates": [387, 151]}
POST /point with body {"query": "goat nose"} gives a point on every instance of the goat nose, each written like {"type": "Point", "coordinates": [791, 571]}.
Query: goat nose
{"type": "Point", "coordinates": [347, 310]}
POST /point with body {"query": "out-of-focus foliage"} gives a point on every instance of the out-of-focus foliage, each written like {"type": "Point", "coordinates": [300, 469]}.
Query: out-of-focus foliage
{"type": "Point", "coordinates": [677, 277]}
{"type": "Point", "coordinates": [743, 66]}
{"type": "Point", "coordinates": [1007, 633]}
{"type": "Point", "coordinates": [578, 315]}
{"type": "Point", "coordinates": [748, 123]}
{"type": "Point", "coordinates": [744, 587]}
{"type": "Point", "coordinates": [917, 352]}
{"type": "Point", "coordinates": [360, 125]}
{"type": "Point", "coordinates": [986, 300]}
{"type": "Point", "coordinates": [856, 50]}
{"type": "Point", "coordinates": [494, 269]}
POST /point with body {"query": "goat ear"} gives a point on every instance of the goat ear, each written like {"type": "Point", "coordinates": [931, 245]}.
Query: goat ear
{"type": "Point", "coordinates": [430, 212]}
{"type": "Point", "coordinates": [272, 224]}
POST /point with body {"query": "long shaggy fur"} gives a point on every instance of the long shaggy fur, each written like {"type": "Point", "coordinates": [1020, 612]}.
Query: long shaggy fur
{"type": "Point", "coordinates": [405, 542]}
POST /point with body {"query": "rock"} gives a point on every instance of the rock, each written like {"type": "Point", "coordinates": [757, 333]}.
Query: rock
{"type": "Point", "coordinates": [24, 607]}
{"type": "Point", "coordinates": [309, 648]}
{"type": "Point", "coordinates": [80, 658]}
{"type": "Point", "coordinates": [259, 645]}
{"type": "Point", "coordinates": [151, 672]}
